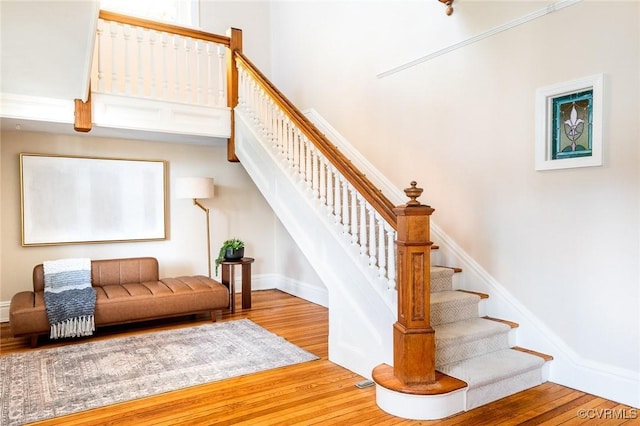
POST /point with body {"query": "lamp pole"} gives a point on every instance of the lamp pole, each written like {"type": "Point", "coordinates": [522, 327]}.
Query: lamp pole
{"type": "Point", "coordinates": [206, 210]}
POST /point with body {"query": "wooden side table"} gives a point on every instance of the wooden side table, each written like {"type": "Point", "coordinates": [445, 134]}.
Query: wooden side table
{"type": "Point", "coordinates": [228, 279]}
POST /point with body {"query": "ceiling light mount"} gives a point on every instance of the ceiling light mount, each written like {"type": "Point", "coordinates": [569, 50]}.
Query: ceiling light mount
{"type": "Point", "coordinates": [448, 3]}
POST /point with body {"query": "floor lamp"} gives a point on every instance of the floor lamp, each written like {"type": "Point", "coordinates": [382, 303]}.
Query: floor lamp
{"type": "Point", "coordinates": [198, 188]}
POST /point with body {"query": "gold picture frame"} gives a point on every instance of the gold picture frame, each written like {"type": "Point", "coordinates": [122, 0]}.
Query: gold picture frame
{"type": "Point", "coordinates": [75, 199]}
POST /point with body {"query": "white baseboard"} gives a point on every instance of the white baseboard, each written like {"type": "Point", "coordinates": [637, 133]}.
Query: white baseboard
{"type": "Point", "coordinates": [4, 311]}
{"type": "Point", "coordinates": [309, 292]}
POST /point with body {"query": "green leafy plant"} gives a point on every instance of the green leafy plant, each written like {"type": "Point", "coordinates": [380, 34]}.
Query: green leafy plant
{"type": "Point", "coordinates": [233, 245]}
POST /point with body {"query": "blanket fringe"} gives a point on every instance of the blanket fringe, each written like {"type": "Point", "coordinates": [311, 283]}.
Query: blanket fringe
{"type": "Point", "coordinates": [73, 327]}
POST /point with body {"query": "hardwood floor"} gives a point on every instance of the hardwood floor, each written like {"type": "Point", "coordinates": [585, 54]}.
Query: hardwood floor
{"type": "Point", "coordinates": [313, 393]}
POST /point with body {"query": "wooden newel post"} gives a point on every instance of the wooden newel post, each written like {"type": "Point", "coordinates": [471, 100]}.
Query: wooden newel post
{"type": "Point", "coordinates": [235, 45]}
{"type": "Point", "coordinates": [413, 337]}
{"type": "Point", "coordinates": [82, 121]}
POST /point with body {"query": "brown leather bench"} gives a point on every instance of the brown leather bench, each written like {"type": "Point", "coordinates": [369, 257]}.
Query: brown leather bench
{"type": "Point", "coordinates": [127, 290]}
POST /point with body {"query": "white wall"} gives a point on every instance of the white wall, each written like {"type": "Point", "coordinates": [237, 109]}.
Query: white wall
{"type": "Point", "coordinates": [252, 17]}
{"type": "Point", "coordinates": [237, 210]}
{"type": "Point", "coordinates": [565, 243]}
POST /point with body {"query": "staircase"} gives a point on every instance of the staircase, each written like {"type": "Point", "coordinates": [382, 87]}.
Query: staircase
{"type": "Point", "coordinates": [478, 349]}
{"type": "Point", "coordinates": [356, 261]}
{"type": "Point", "coordinates": [362, 307]}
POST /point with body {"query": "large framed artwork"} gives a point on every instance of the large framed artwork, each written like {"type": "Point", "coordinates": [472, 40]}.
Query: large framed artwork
{"type": "Point", "coordinates": [569, 124]}
{"type": "Point", "coordinates": [71, 199]}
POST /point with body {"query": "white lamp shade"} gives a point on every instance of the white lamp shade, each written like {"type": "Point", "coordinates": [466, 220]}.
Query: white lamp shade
{"type": "Point", "coordinates": [194, 187]}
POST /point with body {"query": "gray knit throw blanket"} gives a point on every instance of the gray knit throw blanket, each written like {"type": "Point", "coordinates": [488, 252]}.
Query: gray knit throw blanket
{"type": "Point", "coordinates": [69, 298]}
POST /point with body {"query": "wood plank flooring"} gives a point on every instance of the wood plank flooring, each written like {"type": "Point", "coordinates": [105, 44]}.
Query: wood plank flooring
{"type": "Point", "coordinates": [313, 393]}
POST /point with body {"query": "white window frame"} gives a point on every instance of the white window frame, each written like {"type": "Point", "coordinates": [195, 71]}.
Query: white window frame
{"type": "Point", "coordinates": [187, 13]}
{"type": "Point", "coordinates": [543, 142]}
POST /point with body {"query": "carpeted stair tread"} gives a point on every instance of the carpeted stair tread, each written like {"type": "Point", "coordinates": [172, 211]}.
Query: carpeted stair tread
{"type": "Point", "coordinates": [493, 367]}
{"type": "Point", "coordinates": [449, 306]}
{"type": "Point", "coordinates": [460, 340]}
{"type": "Point", "coordinates": [441, 278]}
{"type": "Point", "coordinates": [477, 350]}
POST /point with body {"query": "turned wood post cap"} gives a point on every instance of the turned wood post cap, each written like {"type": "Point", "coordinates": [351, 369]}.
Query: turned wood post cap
{"type": "Point", "coordinates": [413, 192]}
{"type": "Point", "coordinates": [448, 3]}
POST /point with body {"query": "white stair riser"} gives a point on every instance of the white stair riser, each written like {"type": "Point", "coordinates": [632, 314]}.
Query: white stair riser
{"type": "Point", "coordinates": [443, 313]}
{"type": "Point", "coordinates": [477, 396]}
{"type": "Point", "coordinates": [441, 279]}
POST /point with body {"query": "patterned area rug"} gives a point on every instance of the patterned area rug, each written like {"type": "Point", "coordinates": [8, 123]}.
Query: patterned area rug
{"type": "Point", "coordinates": [47, 383]}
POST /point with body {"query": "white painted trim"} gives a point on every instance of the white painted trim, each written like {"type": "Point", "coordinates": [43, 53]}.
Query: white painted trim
{"type": "Point", "coordinates": [544, 99]}
{"type": "Point", "coordinates": [306, 291]}
{"type": "Point", "coordinates": [421, 407]}
{"type": "Point", "coordinates": [128, 112]}
{"type": "Point", "coordinates": [568, 368]}
{"type": "Point", "coordinates": [311, 293]}
{"type": "Point", "coordinates": [37, 108]}
{"type": "Point", "coordinates": [4, 310]}
{"type": "Point", "coordinates": [504, 27]}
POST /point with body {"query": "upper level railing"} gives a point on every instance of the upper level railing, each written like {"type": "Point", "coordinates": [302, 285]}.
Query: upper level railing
{"type": "Point", "coordinates": [141, 58]}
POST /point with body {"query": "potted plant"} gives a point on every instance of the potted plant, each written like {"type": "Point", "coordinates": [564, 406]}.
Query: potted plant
{"type": "Point", "coordinates": [232, 249]}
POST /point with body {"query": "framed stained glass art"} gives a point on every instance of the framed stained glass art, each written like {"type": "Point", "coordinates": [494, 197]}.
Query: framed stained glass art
{"type": "Point", "coordinates": [569, 124]}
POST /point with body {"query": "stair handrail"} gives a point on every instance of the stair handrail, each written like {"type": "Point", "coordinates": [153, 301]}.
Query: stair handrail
{"type": "Point", "coordinates": [364, 186]}
{"type": "Point", "coordinates": [164, 27]}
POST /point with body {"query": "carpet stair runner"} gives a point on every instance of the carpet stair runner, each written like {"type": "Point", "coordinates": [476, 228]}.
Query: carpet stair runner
{"type": "Point", "coordinates": [477, 349]}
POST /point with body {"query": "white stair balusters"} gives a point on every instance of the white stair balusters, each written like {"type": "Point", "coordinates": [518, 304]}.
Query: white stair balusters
{"type": "Point", "coordinates": [99, 57]}
{"type": "Point", "coordinates": [362, 237]}
{"type": "Point", "coordinates": [140, 70]}
{"type": "Point", "coordinates": [345, 205]}
{"type": "Point", "coordinates": [322, 170]}
{"type": "Point", "coordinates": [372, 247]}
{"type": "Point", "coordinates": [113, 32]}
{"type": "Point", "coordinates": [391, 255]}
{"type": "Point", "coordinates": [381, 247]}
{"type": "Point", "coordinates": [165, 66]}
{"type": "Point", "coordinates": [321, 181]}
{"type": "Point", "coordinates": [153, 66]}
{"type": "Point", "coordinates": [198, 74]}
{"type": "Point", "coordinates": [337, 200]}
{"type": "Point", "coordinates": [138, 59]}
{"type": "Point", "coordinates": [175, 40]}
{"type": "Point", "coordinates": [220, 80]}
{"type": "Point", "coordinates": [127, 59]}
{"type": "Point", "coordinates": [353, 207]}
